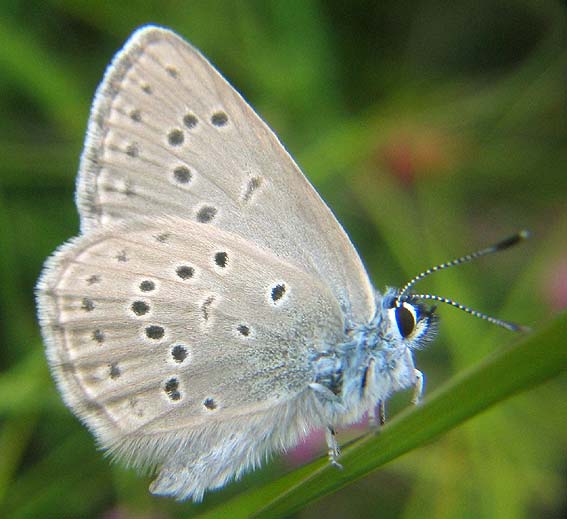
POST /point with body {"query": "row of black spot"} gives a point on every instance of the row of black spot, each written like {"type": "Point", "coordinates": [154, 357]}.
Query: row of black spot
{"type": "Point", "coordinates": [221, 260]}
{"type": "Point", "coordinates": [187, 272]}
{"type": "Point", "coordinates": [190, 120]}
{"type": "Point", "coordinates": [183, 175]}
{"type": "Point", "coordinates": [171, 388]}
{"type": "Point", "coordinates": [156, 332]}
{"type": "Point", "coordinates": [178, 352]}
{"type": "Point", "coordinates": [176, 136]}
{"type": "Point", "coordinates": [141, 308]}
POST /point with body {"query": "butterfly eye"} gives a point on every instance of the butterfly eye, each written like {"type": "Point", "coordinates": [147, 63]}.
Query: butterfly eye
{"type": "Point", "coordinates": [405, 319]}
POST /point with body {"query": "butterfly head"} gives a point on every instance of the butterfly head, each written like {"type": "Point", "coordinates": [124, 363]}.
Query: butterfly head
{"type": "Point", "coordinates": [410, 321]}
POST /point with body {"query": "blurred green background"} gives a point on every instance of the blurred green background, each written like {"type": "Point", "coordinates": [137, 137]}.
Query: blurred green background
{"type": "Point", "coordinates": [431, 128]}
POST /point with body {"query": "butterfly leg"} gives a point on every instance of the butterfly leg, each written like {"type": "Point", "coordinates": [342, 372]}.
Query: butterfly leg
{"type": "Point", "coordinates": [325, 396]}
{"type": "Point", "coordinates": [418, 388]}
{"type": "Point", "coordinates": [377, 416]}
{"type": "Point", "coordinates": [375, 420]}
{"type": "Point", "coordinates": [334, 449]}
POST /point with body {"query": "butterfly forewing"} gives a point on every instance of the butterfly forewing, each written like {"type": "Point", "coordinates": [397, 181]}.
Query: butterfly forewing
{"type": "Point", "coordinates": [168, 135]}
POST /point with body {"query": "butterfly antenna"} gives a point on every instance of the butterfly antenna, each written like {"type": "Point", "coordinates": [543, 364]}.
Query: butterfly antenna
{"type": "Point", "coordinates": [497, 247]}
{"type": "Point", "coordinates": [500, 322]}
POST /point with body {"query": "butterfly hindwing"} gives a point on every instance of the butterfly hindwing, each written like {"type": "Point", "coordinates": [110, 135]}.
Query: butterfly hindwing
{"type": "Point", "coordinates": [158, 329]}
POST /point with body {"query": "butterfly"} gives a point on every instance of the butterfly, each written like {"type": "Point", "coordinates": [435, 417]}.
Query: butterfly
{"type": "Point", "coordinates": [212, 310]}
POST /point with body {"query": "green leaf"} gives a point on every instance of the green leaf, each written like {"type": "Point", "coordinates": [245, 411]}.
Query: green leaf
{"type": "Point", "coordinates": [538, 358]}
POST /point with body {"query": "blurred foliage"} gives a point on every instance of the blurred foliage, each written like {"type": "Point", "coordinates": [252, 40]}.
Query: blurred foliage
{"type": "Point", "coordinates": [430, 127]}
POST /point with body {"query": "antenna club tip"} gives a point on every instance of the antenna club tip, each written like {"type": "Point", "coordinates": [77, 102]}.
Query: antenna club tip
{"type": "Point", "coordinates": [524, 234]}
{"type": "Point", "coordinates": [515, 327]}
{"type": "Point", "coordinates": [523, 329]}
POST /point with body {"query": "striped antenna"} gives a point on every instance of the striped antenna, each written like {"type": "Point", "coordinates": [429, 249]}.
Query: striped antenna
{"type": "Point", "coordinates": [497, 247]}
{"type": "Point", "coordinates": [500, 322]}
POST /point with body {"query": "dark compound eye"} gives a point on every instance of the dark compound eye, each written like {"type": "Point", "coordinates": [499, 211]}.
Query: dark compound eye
{"type": "Point", "coordinates": [405, 320]}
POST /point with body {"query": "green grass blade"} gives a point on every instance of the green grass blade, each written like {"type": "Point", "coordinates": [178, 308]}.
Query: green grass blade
{"type": "Point", "coordinates": [534, 360]}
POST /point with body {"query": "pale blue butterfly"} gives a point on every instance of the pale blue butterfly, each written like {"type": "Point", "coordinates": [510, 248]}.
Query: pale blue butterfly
{"type": "Point", "coordinates": [212, 310]}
